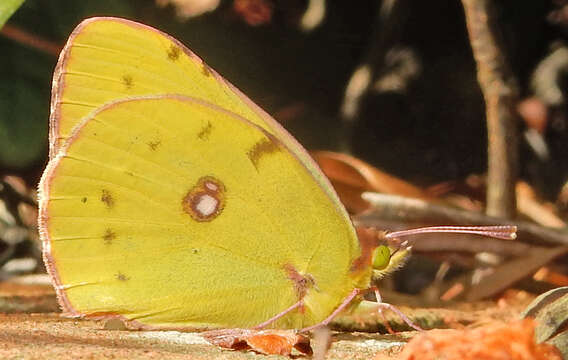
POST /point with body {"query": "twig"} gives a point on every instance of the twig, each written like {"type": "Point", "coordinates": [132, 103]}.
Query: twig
{"type": "Point", "coordinates": [31, 40]}
{"type": "Point", "coordinates": [500, 91]}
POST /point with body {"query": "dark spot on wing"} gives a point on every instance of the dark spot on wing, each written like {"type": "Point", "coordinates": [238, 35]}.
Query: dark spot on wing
{"type": "Point", "coordinates": [173, 52]}
{"type": "Point", "coordinates": [121, 277]}
{"type": "Point", "coordinates": [127, 81]}
{"type": "Point", "coordinates": [84, 200]}
{"type": "Point", "coordinates": [153, 145]}
{"type": "Point", "coordinates": [107, 198]}
{"type": "Point", "coordinates": [109, 236]}
{"type": "Point", "coordinates": [261, 148]}
{"type": "Point", "coordinates": [205, 132]}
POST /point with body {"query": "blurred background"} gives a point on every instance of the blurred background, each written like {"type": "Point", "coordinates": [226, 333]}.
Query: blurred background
{"type": "Point", "coordinates": [391, 82]}
{"type": "Point", "coordinates": [295, 59]}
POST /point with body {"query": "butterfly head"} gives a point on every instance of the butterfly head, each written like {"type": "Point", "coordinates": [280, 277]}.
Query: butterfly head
{"type": "Point", "coordinates": [390, 253]}
{"type": "Point", "coordinates": [388, 256]}
{"type": "Point", "coordinates": [380, 254]}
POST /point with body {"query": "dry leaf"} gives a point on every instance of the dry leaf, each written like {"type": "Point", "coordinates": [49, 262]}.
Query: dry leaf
{"type": "Point", "coordinates": [514, 270]}
{"type": "Point", "coordinates": [351, 177]}
{"type": "Point", "coordinates": [496, 341]}
{"type": "Point", "coordinates": [254, 12]}
{"type": "Point", "coordinates": [269, 342]}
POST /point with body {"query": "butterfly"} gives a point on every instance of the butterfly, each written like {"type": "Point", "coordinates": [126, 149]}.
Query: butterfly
{"type": "Point", "coordinates": [172, 201]}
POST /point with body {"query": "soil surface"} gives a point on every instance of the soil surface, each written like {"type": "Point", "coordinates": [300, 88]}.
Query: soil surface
{"type": "Point", "coordinates": [32, 328]}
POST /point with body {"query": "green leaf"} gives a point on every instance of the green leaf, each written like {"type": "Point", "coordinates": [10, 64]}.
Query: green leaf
{"type": "Point", "coordinates": [7, 8]}
{"type": "Point", "coordinates": [543, 300]}
{"type": "Point", "coordinates": [550, 310]}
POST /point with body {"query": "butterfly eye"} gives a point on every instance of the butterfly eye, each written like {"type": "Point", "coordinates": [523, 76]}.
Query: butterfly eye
{"type": "Point", "coordinates": [381, 257]}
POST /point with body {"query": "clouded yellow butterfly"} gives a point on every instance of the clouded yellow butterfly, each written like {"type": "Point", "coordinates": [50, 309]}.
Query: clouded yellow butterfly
{"type": "Point", "coordinates": [173, 201]}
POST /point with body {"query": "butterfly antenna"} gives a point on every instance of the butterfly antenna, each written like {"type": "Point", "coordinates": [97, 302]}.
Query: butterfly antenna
{"type": "Point", "coordinates": [505, 232]}
{"type": "Point", "coordinates": [402, 245]}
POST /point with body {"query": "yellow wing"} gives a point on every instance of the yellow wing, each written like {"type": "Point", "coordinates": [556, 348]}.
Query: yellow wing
{"type": "Point", "coordinates": [106, 59]}
{"type": "Point", "coordinates": [172, 212]}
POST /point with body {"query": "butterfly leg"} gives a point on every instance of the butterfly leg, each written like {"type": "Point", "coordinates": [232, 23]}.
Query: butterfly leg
{"type": "Point", "coordinates": [383, 305]}
{"type": "Point", "coordinates": [382, 314]}
{"type": "Point", "coordinates": [299, 304]}
{"type": "Point", "coordinates": [339, 309]}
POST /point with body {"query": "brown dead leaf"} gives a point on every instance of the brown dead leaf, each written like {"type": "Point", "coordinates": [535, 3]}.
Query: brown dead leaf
{"type": "Point", "coordinates": [535, 113]}
{"type": "Point", "coordinates": [254, 12]}
{"type": "Point", "coordinates": [546, 274]}
{"type": "Point", "coordinates": [496, 341]}
{"type": "Point", "coordinates": [351, 177]}
{"type": "Point", "coordinates": [268, 342]}
{"type": "Point", "coordinates": [512, 271]}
